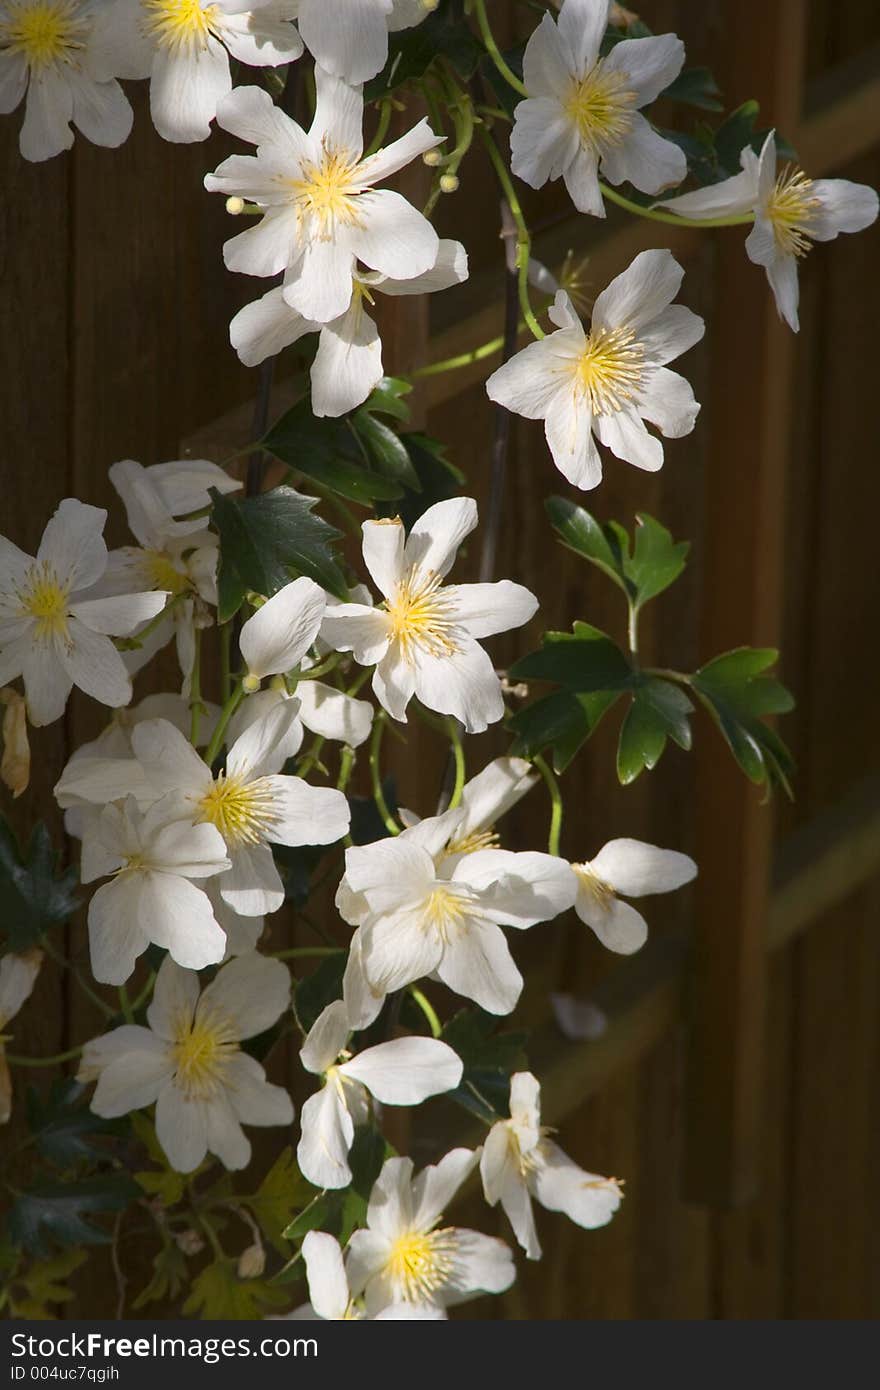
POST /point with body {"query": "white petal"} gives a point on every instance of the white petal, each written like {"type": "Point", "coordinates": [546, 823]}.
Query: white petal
{"type": "Point", "coordinates": [307, 815]}
{"type": "Point", "coordinates": [845, 207]}
{"type": "Point", "coordinates": [260, 39]}
{"type": "Point", "coordinates": [383, 543]}
{"type": "Point", "coordinates": [731, 197]}
{"type": "Point", "coordinates": [667, 400]}
{"type": "Point", "coordinates": [433, 542]}
{"type": "Point", "coordinates": [582, 23]}
{"type": "Point", "coordinates": [618, 926]}
{"type": "Point", "coordinates": [174, 765]}
{"type": "Point", "coordinates": [581, 177]}
{"type": "Point", "coordinates": [560, 1185]}
{"type": "Point", "coordinates": [543, 142]}
{"type": "Point", "coordinates": [394, 683]}
{"type": "Point", "coordinates": [117, 617]}
{"type": "Point", "coordinates": [568, 429]}
{"type": "Point", "coordinates": [353, 627]}
{"type": "Point", "coordinates": [450, 268]}
{"type": "Point", "coordinates": [101, 111]}
{"type": "Point", "coordinates": [116, 938]}
{"type": "Point", "coordinates": [278, 635]}
{"type": "Point", "coordinates": [484, 609]}
{"type": "Point", "coordinates": [18, 975]}
{"type": "Point", "coordinates": [398, 950]}
{"type": "Point", "coordinates": [13, 80]}
{"type": "Point", "coordinates": [73, 544]}
{"type": "Point", "coordinates": [480, 1264]}
{"type": "Point", "coordinates": [175, 996]}
{"type": "Point", "coordinates": [225, 1136]}
{"type": "Point", "coordinates": [177, 915]}
{"type": "Point", "coordinates": [256, 708]}
{"type": "Point", "coordinates": [392, 236]}
{"type": "Point", "coordinates": [464, 685]}
{"type": "Point", "coordinates": [327, 1038]}
{"type": "Point", "coordinates": [529, 383]}
{"type": "Point", "coordinates": [477, 964]}
{"type": "Point", "coordinates": [186, 86]}
{"type": "Point", "coordinates": [181, 1128]}
{"type": "Point", "coordinates": [328, 1285]}
{"type": "Point", "coordinates": [333, 714]}
{"type": "Point", "coordinates": [650, 65]}
{"type": "Point", "coordinates": [634, 868]}
{"type": "Point", "coordinates": [254, 1100]}
{"type": "Point", "coordinates": [251, 114]}
{"type": "Point", "coordinates": [390, 1209]}
{"type": "Point", "coordinates": [266, 327]}
{"type": "Point", "coordinates": [397, 155]}
{"type": "Point", "coordinates": [548, 60]}
{"type": "Point", "coordinates": [348, 363]}
{"type": "Point", "coordinates": [253, 885]}
{"type": "Point", "coordinates": [320, 287]}
{"type": "Point", "coordinates": [671, 333]}
{"type": "Point", "coordinates": [489, 795]}
{"type": "Point", "coordinates": [625, 435]}
{"type": "Point", "coordinates": [782, 273]}
{"type": "Point", "coordinates": [347, 37]}
{"type": "Point", "coordinates": [47, 683]}
{"type": "Point", "coordinates": [48, 112]}
{"type": "Point", "coordinates": [406, 1071]}
{"type": "Point", "coordinates": [250, 993]}
{"type": "Point", "coordinates": [644, 159]}
{"type": "Point", "coordinates": [525, 1108]}
{"type": "Point", "coordinates": [133, 1079]}
{"type": "Point", "coordinates": [437, 1184]}
{"type": "Point", "coordinates": [361, 1002]}
{"type": "Point", "coordinates": [93, 663]}
{"type": "Point", "coordinates": [326, 1139]}
{"type": "Point", "coordinates": [266, 249]}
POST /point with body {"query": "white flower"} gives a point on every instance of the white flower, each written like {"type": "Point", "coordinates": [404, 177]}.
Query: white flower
{"type": "Point", "coordinates": [52, 633]}
{"type": "Point", "coordinates": [277, 636]}
{"type": "Point", "coordinates": [351, 40]}
{"type": "Point", "coordinates": [322, 211]}
{"type": "Point", "coordinates": [582, 113]}
{"type": "Point", "coordinates": [18, 975]}
{"type": "Point", "coordinates": [405, 1256]}
{"type": "Point", "coordinates": [791, 212]}
{"type": "Point", "coordinates": [519, 1162]}
{"type": "Point", "coordinates": [330, 1296]}
{"type": "Point", "coordinates": [634, 869]}
{"type": "Point", "coordinates": [404, 1071]}
{"type": "Point", "coordinates": [348, 363]}
{"type": "Point", "coordinates": [152, 856]}
{"type": "Point", "coordinates": [183, 46]}
{"type": "Point", "coordinates": [322, 709]}
{"type": "Point", "coordinates": [423, 641]}
{"type": "Point", "coordinates": [250, 803]}
{"type": "Point", "coordinates": [189, 1061]}
{"type": "Point", "coordinates": [47, 50]}
{"type": "Point", "coordinates": [484, 800]}
{"type": "Point", "coordinates": [609, 381]}
{"type": "Point", "coordinates": [422, 911]}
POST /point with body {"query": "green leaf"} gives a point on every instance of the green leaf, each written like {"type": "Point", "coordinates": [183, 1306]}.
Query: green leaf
{"type": "Point", "coordinates": [57, 1212]}
{"type": "Point", "coordinates": [738, 694]}
{"type": "Point", "coordinates": [218, 1293]}
{"type": "Point", "coordinates": [584, 660]}
{"type": "Point", "coordinates": [63, 1126]}
{"type": "Point", "coordinates": [444, 34]}
{"type": "Point", "coordinates": [329, 451]}
{"type": "Point", "coordinates": [562, 721]}
{"type": "Point", "coordinates": [659, 710]}
{"type": "Point", "coordinates": [282, 1192]}
{"type": "Point", "coordinates": [489, 1059]}
{"type": "Point", "coordinates": [33, 895]}
{"type": "Point", "coordinates": [267, 540]}
{"type": "Point", "coordinates": [169, 1276]}
{"type": "Point", "coordinates": [316, 991]}
{"type": "Point", "coordinates": [386, 450]}
{"type": "Point", "coordinates": [368, 1152]}
{"type": "Point", "coordinates": [34, 1289]}
{"type": "Point", "coordinates": [642, 569]}
{"type": "Point", "coordinates": [438, 479]}
{"type": "Point", "coordinates": [695, 87]}
{"type": "Point", "coordinates": [656, 560]}
{"type": "Point", "coordinates": [169, 1187]}
{"type": "Point", "coordinates": [387, 398]}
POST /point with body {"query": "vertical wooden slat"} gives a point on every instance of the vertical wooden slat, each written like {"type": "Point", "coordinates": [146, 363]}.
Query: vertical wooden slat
{"type": "Point", "coordinates": [748, 418]}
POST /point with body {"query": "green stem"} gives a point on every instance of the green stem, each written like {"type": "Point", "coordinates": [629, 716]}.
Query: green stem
{"type": "Point", "coordinates": [133, 644]}
{"type": "Point", "coordinates": [346, 767]}
{"type": "Point", "coordinates": [311, 758]}
{"type": "Point", "coordinates": [464, 359]}
{"type": "Point", "coordinates": [196, 708]}
{"type": "Point", "coordinates": [86, 988]}
{"type": "Point", "coordinates": [428, 1010]}
{"type": "Point", "coordinates": [378, 795]}
{"type": "Point", "coordinates": [144, 994]}
{"type": "Point", "coordinates": [226, 661]}
{"type": "Point", "coordinates": [226, 714]}
{"type": "Point", "coordinates": [670, 218]}
{"type": "Point", "coordinates": [314, 672]}
{"type": "Point", "coordinates": [494, 51]}
{"type": "Point", "coordinates": [381, 129]}
{"type": "Point", "coordinates": [454, 731]}
{"type": "Point", "coordinates": [125, 1005]}
{"type": "Point", "coordinates": [555, 804]}
{"type": "Point", "coordinates": [15, 1061]}
{"type": "Point", "coordinates": [633, 629]}
{"type": "Point", "coordinates": [523, 240]}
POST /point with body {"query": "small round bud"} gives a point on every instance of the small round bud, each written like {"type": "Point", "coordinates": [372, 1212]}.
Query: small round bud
{"type": "Point", "coordinates": [430, 5]}
{"type": "Point", "coordinates": [250, 684]}
{"type": "Point", "coordinates": [235, 206]}
{"type": "Point", "coordinates": [251, 1262]}
{"type": "Point", "coordinates": [278, 683]}
{"type": "Point", "coordinates": [189, 1242]}
{"type": "Point", "coordinates": [432, 158]}
{"type": "Point", "coordinates": [448, 183]}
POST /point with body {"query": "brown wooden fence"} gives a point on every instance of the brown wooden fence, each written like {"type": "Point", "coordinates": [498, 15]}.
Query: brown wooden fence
{"type": "Point", "coordinates": [734, 1087]}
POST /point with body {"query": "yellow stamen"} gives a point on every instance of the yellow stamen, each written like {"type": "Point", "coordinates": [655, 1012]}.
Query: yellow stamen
{"type": "Point", "coordinates": [45, 598]}
{"type": "Point", "coordinates": [419, 1263]}
{"type": "Point", "coordinates": [162, 573]}
{"type": "Point", "coordinates": [200, 1050]}
{"type": "Point", "coordinates": [610, 370]}
{"type": "Point", "coordinates": [476, 840]}
{"type": "Point", "coordinates": [421, 616]}
{"type": "Point", "coordinates": [179, 23]}
{"type": "Point", "coordinates": [45, 34]}
{"type": "Point", "coordinates": [244, 812]}
{"type": "Point", "coordinates": [445, 909]}
{"type": "Point", "coordinates": [602, 107]}
{"type": "Point", "coordinates": [325, 192]}
{"type": "Point", "coordinates": [790, 209]}
{"type": "Point", "coordinates": [601, 891]}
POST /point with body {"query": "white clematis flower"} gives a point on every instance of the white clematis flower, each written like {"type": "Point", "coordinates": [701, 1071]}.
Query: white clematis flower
{"type": "Point", "coordinates": [791, 212]}
{"type": "Point", "coordinates": [582, 114]}
{"type": "Point", "coordinates": [405, 1256]}
{"type": "Point", "coordinates": [18, 975]}
{"type": "Point", "coordinates": [48, 59]}
{"type": "Point", "coordinates": [152, 857]}
{"type": "Point", "coordinates": [322, 709]}
{"type": "Point", "coordinates": [189, 1061]}
{"type": "Point", "coordinates": [519, 1162]}
{"type": "Point", "coordinates": [322, 211]}
{"type": "Point", "coordinates": [404, 1071]}
{"type": "Point", "coordinates": [348, 363]}
{"type": "Point", "coordinates": [610, 381]}
{"type": "Point", "coordinates": [250, 803]}
{"type": "Point", "coordinates": [634, 869]}
{"type": "Point", "coordinates": [53, 633]}
{"type": "Point", "coordinates": [330, 1297]}
{"type": "Point", "coordinates": [422, 911]}
{"type": "Point", "coordinates": [484, 800]}
{"type": "Point", "coordinates": [277, 637]}
{"type": "Point", "coordinates": [184, 46]}
{"type": "Point", "coordinates": [351, 39]}
{"type": "Point", "coordinates": [424, 641]}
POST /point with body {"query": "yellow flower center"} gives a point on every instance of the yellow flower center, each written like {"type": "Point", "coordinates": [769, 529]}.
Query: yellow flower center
{"type": "Point", "coordinates": [179, 23]}
{"type": "Point", "coordinates": [162, 573]}
{"type": "Point", "coordinates": [599, 890]}
{"type": "Point", "coordinates": [200, 1051]}
{"type": "Point", "coordinates": [45, 599]}
{"type": "Point", "coordinates": [244, 812]}
{"type": "Point", "coordinates": [610, 370]}
{"type": "Point", "coordinates": [419, 1263]}
{"type": "Point", "coordinates": [790, 210]}
{"type": "Point", "coordinates": [421, 616]}
{"type": "Point", "coordinates": [601, 106]}
{"type": "Point", "coordinates": [325, 192]}
{"type": "Point", "coordinates": [45, 33]}
{"type": "Point", "coordinates": [445, 909]}
{"type": "Point", "coordinates": [476, 840]}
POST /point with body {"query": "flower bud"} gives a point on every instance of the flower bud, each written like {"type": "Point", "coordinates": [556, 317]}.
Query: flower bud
{"type": "Point", "coordinates": [448, 183]}
{"type": "Point", "coordinates": [251, 1262]}
{"type": "Point", "coordinates": [432, 158]}
{"type": "Point", "coordinates": [235, 206]}
{"type": "Point", "coordinates": [189, 1242]}
{"type": "Point", "coordinates": [250, 684]}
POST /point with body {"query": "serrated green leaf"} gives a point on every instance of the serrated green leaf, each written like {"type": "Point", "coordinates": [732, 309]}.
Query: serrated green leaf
{"type": "Point", "coordinates": [659, 710]}
{"type": "Point", "coordinates": [584, 660]}
{"type": "Point", "coordinates": [169, 1276]}
{"type": "Point", "coordinates": [63, 1126]}
{"type": "Point", "coordinates": [582, 533]}
{"type": "Point", "coordinates": [218, 1293]}
{"type": "Point", "coordinates": [282, 1192]}
{"type": "Point", "coordinates": [738, 693]}
{"type": "Point", "coordinates": [562, 721]}
{"type": "Point", "coordinates": [388, 398]}
{"type": "Point", "coordinates": [327, 450]}
{"type": "Point", "coordinates": [642, 569]}
{"type": "Point", "coordinates": [444, 34]}
{"type": "Point", "coordinates": [33, 895]}
{"type": "Point", "coordinates": [58, 1212]}
{"type": "Point", "coordinates": [656, 560]}
{"type": "Point", "coordinates": [266, 541]}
